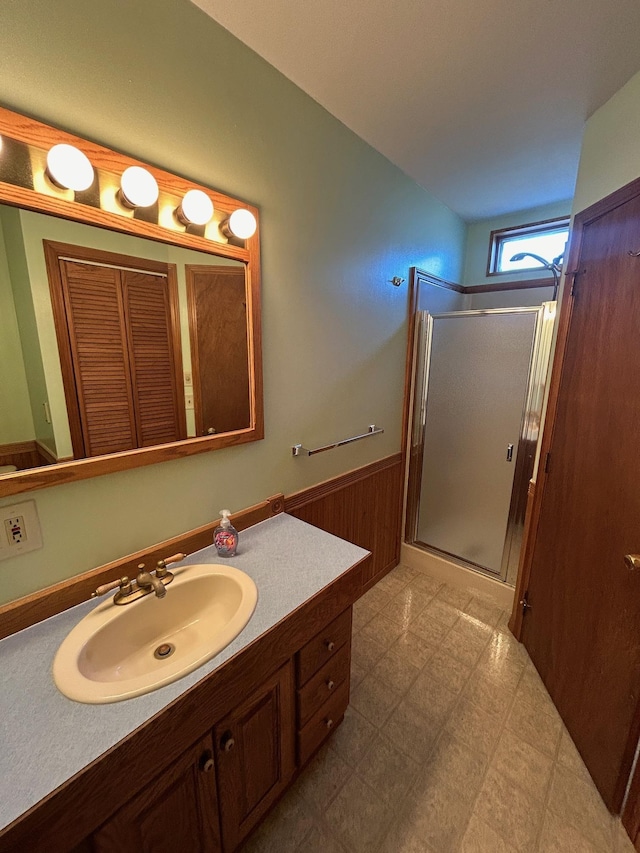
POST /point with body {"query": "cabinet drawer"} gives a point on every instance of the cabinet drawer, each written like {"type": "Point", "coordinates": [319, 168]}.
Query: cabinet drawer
{"type": "Point", "coordinates": [324, 684]}
{"type": "Point", "coordinates": [323, 646]}
{"type": "Point", "coordinates": [322, 723]}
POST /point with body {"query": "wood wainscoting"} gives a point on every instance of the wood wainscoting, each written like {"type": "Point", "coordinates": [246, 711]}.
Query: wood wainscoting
{"type": "Point", "coordinates": [363, 506]}
{"type": "Point", "coordinates": [25, 454]}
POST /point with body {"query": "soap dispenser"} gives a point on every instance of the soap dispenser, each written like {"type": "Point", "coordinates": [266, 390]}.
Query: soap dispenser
{"type": "Point", "coordinates": [225, 536]}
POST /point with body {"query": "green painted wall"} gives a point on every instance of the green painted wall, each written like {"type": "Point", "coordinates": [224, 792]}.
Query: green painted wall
{"type": "Point", "coordinates": [610, 156]}
{"type": "Point", "coordinates": [163, 82]}
{"type": "Point", "coordinates": [36, 387]}
{"type": "Point", "coordinates": [16, 421]}
{"type": "Point", "coordinates": [478, 235]}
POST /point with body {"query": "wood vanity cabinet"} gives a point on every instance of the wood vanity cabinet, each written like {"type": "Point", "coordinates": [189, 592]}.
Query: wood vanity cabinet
{"type": "Point", "coordinates": [251, 755]}
{"type": "Point", "coordinates": [175, 812]}
{"type": "Point", "coordinates": [255, 757]}
{"type": "Point", "coordinates": [323, 667]}
{"type": "Point", "coordinates": [203, 773]}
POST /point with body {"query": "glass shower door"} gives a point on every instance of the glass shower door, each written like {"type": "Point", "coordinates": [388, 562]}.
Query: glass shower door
{"type": "Point", "coordinates": [477, 368]}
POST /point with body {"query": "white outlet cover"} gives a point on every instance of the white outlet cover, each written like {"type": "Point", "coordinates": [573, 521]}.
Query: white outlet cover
{"type": "Point", "coordinates": [32, 534]}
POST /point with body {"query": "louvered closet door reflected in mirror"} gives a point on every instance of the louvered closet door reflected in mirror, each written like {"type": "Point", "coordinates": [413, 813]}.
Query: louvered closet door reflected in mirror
{"type": "Point", "coordinates": [121, 368]}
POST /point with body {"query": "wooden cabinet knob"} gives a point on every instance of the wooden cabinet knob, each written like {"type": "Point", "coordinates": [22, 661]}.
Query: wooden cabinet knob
{"type": "Point", "coordinates": [330, 684]}
{"type": "Point", "coordinates": [227, 742]}
{"type": "Point", "coordinates": [329, 723]}
{"type": "Point", "coordinates": [330, 645]}
{"type": "Point", "coordinates": [206, 762]}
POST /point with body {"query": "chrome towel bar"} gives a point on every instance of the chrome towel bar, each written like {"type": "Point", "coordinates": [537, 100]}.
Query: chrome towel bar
{"type": "Point", "coordinates": [299, 450]}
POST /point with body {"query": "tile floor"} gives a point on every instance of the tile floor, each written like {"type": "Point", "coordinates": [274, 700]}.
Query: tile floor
{"type": "Point", "coordinates": [451, 743]}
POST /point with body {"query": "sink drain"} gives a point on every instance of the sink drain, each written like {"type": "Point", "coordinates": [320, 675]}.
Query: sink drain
{"type": "Point", "coordinates": [164, 651]}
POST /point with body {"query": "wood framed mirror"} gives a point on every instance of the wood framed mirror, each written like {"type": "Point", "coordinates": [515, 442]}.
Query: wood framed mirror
{"type": "Point", "coordinates": [128, 335]}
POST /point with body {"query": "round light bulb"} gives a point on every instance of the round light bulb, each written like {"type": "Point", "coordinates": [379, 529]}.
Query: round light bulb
{"type": "Point", "coordinates": [68, 167]}
{"type": "Point", "coordinates": [138, 187]}
{"type": "Point", "coordinates": [196, 207]}
{"type": "Point", "coordinates": [242, 223]}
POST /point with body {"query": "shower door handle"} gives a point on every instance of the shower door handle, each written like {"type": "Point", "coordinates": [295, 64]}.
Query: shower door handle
{"type": "Point", "coordinates": [509, 452]}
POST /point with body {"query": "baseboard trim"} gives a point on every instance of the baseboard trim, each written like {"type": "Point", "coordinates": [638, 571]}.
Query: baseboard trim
{"type": "Point", "coordinates": [444, 570]}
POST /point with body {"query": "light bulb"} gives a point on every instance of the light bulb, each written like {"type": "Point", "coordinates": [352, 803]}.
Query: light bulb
{"type": "Point", "coordinates": [138, 188]}
{"type": "Point", "coordinates": [196, 208]}
{"type": "Point", "coordinates": [69, 168]}
{"type": "Point", "coordinates": [242, 224]}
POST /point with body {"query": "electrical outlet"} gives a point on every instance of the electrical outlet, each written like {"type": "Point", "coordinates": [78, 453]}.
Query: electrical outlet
{"type": "Point", "coordinates": [15, 530]}
{"type": "Point", "coordinates": [188, 401]}
{"type": "Point", "coordinates": [19, 529]}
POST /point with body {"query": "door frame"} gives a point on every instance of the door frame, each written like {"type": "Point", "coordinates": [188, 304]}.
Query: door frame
{"type": "Point", "coordinates": [630, 812]}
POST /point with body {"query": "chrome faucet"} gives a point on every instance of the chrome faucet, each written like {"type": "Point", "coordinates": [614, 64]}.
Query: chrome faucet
{"type": "Point", "coordinates": [149, 582]}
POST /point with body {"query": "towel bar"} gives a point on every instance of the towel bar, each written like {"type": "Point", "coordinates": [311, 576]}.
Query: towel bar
{"type": "Point", "coordinates": [299, 450]}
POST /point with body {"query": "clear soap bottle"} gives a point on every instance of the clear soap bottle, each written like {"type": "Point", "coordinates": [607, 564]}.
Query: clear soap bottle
{"type": "Point", "coordinates": [225, 536]}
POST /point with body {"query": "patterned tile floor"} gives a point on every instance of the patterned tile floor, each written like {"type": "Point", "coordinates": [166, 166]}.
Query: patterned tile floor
{"type": "Point", "coordinates": [451, 743]}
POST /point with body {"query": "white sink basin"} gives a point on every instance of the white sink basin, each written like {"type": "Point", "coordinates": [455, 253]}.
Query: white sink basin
{"type": "Point", "coordinates": [115, 652]}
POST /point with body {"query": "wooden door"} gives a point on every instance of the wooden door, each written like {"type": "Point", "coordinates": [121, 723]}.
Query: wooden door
{"type": "Point", "coordinates": [255, 756]}
{"type": "Point", "coordinates": [99, 395]}
{"type": "Point", "coordinates": [156, 380]}
{"type": "Point", "coordinates": [120, 355]}
{"type": "Point", "coordinates": [176, 812]}
{"type": "Point", "coordinates": [583, 626]}
{"type": "Point", "coordinates": [218, 329]}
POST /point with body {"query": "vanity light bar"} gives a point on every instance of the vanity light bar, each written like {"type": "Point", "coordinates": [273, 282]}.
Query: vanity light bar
{"type": "Point", "coordinates": [67, 167]}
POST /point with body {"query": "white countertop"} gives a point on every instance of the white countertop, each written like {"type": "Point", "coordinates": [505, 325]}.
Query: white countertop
{"type": "Point", "coordinates": [47, 738]}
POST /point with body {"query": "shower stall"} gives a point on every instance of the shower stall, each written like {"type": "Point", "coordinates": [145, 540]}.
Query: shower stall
{"type": "Point", "coordinates": [478, 391]}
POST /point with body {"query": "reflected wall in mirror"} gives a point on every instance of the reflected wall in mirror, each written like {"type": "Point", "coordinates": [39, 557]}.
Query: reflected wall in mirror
{"type": "Point", "coordinates": [124, 344]}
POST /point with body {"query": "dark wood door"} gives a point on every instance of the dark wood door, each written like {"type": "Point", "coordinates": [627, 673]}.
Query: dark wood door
{"type": "Point", "coordinates": [176, 812]}
{"type": "Point", "coordinates": [219, 347]}
{"type": "Point", "coordinates": [255, 755]}
{"type": "Point", "coordinates": [583, 628]}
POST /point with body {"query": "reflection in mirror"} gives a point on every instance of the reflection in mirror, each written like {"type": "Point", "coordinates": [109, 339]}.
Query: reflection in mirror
{"type": "Point", "coordinates": [111, 342]}
{"type": "Point", "coordinates": [130, 328]}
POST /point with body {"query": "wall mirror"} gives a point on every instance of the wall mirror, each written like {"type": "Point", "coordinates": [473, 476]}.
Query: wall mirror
{"type": "Point", "coordinates": [129, 325]}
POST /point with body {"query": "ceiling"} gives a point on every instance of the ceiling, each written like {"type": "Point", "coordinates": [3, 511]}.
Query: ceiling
{"type": "Point", "coordinates": [481, 102]}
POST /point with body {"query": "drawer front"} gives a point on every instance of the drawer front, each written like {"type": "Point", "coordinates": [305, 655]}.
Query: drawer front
{"type": "Point", "coordinates": [324, 684]}
{"type": "Point", "coordinates": [323, 647]}
{"type": "Point", "coordinates": [322, 724]}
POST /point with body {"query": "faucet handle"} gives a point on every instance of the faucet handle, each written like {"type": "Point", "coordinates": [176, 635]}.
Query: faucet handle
{"type": "Point", "coordinates": [168, 560]}
{"type": "Point", "coordinates": [161, 570]}
{"type": "Point", "coordinates": [121, 583]}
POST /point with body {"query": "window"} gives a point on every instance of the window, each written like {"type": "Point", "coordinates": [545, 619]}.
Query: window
{"type": "Point", "coordinates": [547, 239]}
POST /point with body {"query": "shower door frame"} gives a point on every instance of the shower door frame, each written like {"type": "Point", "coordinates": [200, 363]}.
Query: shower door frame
{"type": "Point", "coordinates": [529, 432]}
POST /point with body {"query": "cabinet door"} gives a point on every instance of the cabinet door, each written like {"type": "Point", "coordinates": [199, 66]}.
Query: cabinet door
{"type": "Point", "coordinates": [255, 755]}
{"type": "Point", "coordinates": [176, 812]}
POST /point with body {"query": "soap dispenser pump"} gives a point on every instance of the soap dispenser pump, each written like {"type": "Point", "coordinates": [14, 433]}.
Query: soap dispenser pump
{"type": "Point", "coordinates": [225, 536]}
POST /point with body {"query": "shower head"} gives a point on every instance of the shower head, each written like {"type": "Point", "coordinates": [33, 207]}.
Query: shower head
{"type": "Point", "coordinates": [522, 255]}
{"type": "Point", "coordinates": [553, 266]}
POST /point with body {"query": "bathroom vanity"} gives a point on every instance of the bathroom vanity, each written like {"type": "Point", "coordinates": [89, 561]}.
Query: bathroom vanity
{"type": "Point", "coordinates": [196, 764]}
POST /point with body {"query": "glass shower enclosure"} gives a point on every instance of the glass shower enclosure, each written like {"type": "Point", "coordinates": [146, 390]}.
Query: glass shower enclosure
{"type": "Point", "coordinates": [478, 391]}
